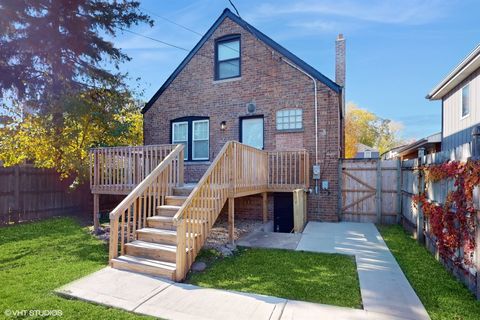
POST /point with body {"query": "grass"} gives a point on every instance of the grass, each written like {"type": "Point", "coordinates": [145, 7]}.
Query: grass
{"type": "Point", "coordinates": [441, 294]}
{"type": "Point", "coordinates": [314, 277]}
{"type": "Point", "coordinates": [37, 258]}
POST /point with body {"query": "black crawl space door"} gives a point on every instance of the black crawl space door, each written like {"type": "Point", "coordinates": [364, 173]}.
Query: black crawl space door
{"type": "Point", "coordinates": [283, 212]}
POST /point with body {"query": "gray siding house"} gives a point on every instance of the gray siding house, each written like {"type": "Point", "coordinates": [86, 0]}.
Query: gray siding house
{"type": "Point", "coordinates": [366, 152]}
{"type": "Point", "coordinates": [460, 96]}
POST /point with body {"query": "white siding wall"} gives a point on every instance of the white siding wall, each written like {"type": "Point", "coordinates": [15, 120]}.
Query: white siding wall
{"type": "Point", "coordinates": [456, 130]}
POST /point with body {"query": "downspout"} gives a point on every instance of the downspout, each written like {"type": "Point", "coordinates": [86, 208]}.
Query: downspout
{"type": "Point", "coordinates": [316, 114]}
{"type": "Point", "coordinates": [316, 105]}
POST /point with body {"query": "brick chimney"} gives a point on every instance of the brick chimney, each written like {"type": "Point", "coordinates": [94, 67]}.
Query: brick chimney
{"type": "Point", "coordinates": [340, 60]}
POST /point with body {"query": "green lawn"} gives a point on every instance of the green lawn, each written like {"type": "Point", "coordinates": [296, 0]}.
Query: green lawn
{"type": "Point", "coordinates": [315, 277]}
{"type": "Point", "coordinates": [37, 258]}
{"type": "Point", "coordinates": [441, 294]}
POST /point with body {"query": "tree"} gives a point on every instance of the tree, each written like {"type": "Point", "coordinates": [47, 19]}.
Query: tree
{"type": "Point", "coordinates": [55, 48]}
{"type": "Point", "coordinates": [56, 63]}
{"type": "Point", "coordinates": [363, 126]}
{"type": "Point", "coordinates": [94, 118]}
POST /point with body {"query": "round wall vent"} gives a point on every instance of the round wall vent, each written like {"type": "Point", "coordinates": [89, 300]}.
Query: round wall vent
{"type": "Point", "coordinates": [251, 106]}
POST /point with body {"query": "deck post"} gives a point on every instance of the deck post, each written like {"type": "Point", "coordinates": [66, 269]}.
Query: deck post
{"type": "Point", "coordinates": [265, 207]}
{"type": "Point", "coordinates": [231, 219]}
{"type": "Point", "coordinates": [96, 211]}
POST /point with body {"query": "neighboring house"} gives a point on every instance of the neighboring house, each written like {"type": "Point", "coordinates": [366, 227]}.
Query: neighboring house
{"type": "Point", "coordinates": [430, 144]}
{"type": "Point", "coordinates": [238, 84]}
{"type": "Point", "coordinates": [391, 154]}
{"type": "Point", "coordinates": [460, 96]}
{"type": "Point", "coordinates": [366, 152]}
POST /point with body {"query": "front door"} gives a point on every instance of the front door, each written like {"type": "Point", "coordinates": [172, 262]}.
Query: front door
{"type": "Point", "coordinates": [251, 131]}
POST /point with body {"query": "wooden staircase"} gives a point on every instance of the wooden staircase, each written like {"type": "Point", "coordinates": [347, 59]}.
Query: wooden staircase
{"type": "Point", "coordinates": [162, 224]}
{"type": "Point", "coordinates": [154, 252]}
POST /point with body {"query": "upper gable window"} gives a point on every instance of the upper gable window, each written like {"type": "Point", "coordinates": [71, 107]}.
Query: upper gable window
{"type": "Point", "coordinates": [227, 58]}
{"type": "Point", "coordinates": [466, 100]}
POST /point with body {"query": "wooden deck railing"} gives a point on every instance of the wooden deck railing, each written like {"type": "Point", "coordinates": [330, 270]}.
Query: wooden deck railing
{"type": "Point", "coordinates": [238, 170]}
{"type": "Point", "coordinates": [117, 170]}
{"type": "Point", "coordinates": [288, 170]}
{"type": "Point", "coordinates": [132, 213]}
{"type": "Point", "coordinates": [249, 171]}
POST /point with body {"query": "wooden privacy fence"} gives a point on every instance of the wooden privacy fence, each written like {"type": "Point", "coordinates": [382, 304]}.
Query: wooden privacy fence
{"type": "Point", "coordinates": [413, 220]}
{"type": "Point", "coordinates": [29, 193]}
{"type": "Point", "coordinates": [370, 190]}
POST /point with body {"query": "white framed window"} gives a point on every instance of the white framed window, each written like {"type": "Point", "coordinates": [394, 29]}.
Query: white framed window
{"type": "Point", "coordinates": [367, 154]}
{"type": "Point", "coordinates": [465, 101]}
{"type": "Point", "coordinates": [180, 135]}
{"type": "Point", "coordinates": [289, 119]}
{"type": "Point", "coordinates": [200, 139]}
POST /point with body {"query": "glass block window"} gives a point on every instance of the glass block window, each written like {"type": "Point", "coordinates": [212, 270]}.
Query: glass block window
{"type": "Point", "coordinates": [289, 119]}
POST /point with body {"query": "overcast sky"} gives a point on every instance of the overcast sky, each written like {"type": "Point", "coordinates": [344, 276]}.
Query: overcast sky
{"type": "Point", "coordinates": [397, 50]}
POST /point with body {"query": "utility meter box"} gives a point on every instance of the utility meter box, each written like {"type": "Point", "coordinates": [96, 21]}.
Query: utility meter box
{"type": "Point", "coordinates": [316, 172]}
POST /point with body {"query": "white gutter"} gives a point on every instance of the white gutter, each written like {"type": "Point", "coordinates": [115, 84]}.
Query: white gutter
{"type": "Point", "coordinates": [316, 104]}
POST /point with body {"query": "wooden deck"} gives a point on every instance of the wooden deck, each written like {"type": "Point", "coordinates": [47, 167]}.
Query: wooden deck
{"type": "Point", "coordinates": [160, 232]}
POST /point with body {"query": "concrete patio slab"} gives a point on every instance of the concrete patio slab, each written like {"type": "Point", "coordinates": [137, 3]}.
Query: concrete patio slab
{"type": "Point", "coordinates": [183, 301]}
{"type": "Point", "coordinates": [272, 240]}
{"type": "Point", "coordinates": [384, 288]}
{"type": "Point", "coordinates": [115, 288]}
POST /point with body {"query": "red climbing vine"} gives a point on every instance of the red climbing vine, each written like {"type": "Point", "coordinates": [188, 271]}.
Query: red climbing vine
{"type": "Point", "coordinates": [453, 223]}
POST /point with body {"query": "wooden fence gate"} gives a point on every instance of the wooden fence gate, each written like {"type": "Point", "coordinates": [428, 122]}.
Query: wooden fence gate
{"type": "Point", "coordinates": [370, 190]}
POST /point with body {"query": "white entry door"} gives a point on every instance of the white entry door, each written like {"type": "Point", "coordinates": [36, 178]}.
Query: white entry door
{"type": "Point", "coordinates": [252, 132]}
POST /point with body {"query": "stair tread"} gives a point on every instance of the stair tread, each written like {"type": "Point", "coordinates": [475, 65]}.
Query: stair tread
{"type": "Point", "coordinates": [158, 231]}
{"type": "Point", "coordinates": [148, 262]}
{"type": "Point", "coordinates": [163, 218]}
{"type": "Point", "coordinates": [177, 197]}
{"type": "Point", "coordinates": [152, 245]}
{"type": "Point", "coordinates": [169, 207]}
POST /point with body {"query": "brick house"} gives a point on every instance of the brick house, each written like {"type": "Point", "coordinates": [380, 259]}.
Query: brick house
{"type": "Point", "coordinates": [238, 84]}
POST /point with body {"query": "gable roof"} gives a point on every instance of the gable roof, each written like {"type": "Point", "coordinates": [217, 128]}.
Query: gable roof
{"type": "Point", "coordinates": [258, 34]}
{"type": "Point", "coordinates": [460, 73]}
{"type": "Point", "coordinates": [363, 147]}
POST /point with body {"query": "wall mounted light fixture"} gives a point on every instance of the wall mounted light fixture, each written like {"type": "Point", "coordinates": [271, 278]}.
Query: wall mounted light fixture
{"type": "Point", "coordinates": [223, 125]}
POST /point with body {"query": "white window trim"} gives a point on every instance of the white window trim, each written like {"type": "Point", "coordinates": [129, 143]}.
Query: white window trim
{"type": "Point", "coordinates": [173, 135]}
{"type": "Point", "coordinates": [193, 139]}
{"type": "Point", "coordinates": [461, 102]}
{"type": "Point", "coordinates": [367, 152]}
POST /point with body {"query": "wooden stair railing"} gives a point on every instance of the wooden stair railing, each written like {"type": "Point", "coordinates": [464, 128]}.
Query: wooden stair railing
{"type": "Point", "coordinates": [142, 202]}
{"type": "Point", "coordinates": [237, 170]}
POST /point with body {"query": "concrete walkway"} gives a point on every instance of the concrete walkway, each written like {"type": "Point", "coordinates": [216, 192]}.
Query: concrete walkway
{"type": "Point", "coordinates": [384, 287]}
{"type": "Point", "coordinates": [386, 293]}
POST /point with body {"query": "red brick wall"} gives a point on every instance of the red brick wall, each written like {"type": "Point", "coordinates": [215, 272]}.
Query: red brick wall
{"type": "Point", "coordinates": [272, 85]}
